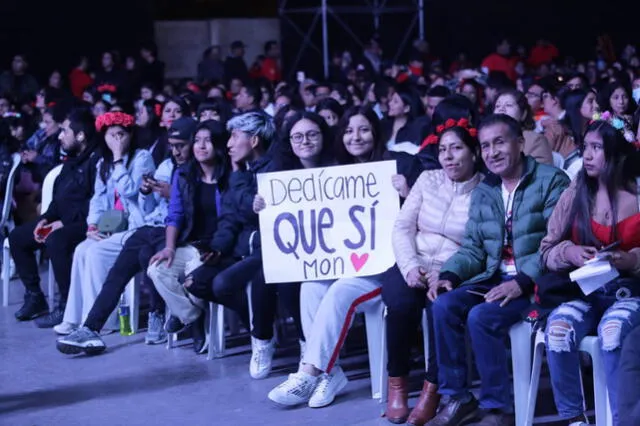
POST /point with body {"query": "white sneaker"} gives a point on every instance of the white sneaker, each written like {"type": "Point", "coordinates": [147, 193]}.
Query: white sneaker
{"type": "Point", "coordinates": [65, 328]}
{"type": "Point", "coordinates": [297, 389]}
{"type": "Point", "coordinates": [261, 357]}
{"type": "Point", "coordinates": [328, 387]}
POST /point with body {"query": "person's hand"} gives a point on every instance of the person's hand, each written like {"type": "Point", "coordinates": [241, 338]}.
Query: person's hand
{"type": "Point", "coordinates": [623, 260]}
{"type": "Point", "coordinates": [56, 225]}
{"type": "Point", "coordinates": [166, 254]}
{"type": "Point", "coordinates": [399, 183]}
{"type": "Point", "coordinates": [258, 204]}
{"type": "Point", "coordinates": [116, 146]}
{"type": "Point", "coordinates": [436, 286]}
{"type": "Point", "coordinates": [94, 234]}
{"type": "Point", "coordinates": [162, 188]}
{"type": "Point", "coordinates": [210, 258]}
{"type": "Point", "coordinates": [416, 278]}
{"type": "Point", "coordinates": [29, 156]}
{"type": "Point", "coordinates": [38, 231]}
{"type": "Point", "coordinates": [577, 255]}
{"type": "Point", "coordinates": [508, 291]}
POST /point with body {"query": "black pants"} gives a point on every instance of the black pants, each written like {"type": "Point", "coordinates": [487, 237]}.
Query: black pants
{"type": "Point", "coordinates": [226, 283]}
{"type": "Point", "coordinates": [133, 258]}
{"type": "Point", "coordinates": [60, 245]}
{"type": "Point", "coordinates": [264, 303]}
{"type": "Point", "coordinates": [404, 314]}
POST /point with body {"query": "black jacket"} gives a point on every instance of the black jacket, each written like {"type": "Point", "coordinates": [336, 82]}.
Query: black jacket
{"type": "Point", "coordinates": [235, 67]}
{"type": "Point", "coordinates": [73, 188]}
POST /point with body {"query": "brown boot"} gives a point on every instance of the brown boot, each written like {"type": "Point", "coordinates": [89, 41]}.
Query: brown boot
{"type": "Point", "coordinates": [398, 402]}
{"type": "Point", "coordinates": [427, 405]}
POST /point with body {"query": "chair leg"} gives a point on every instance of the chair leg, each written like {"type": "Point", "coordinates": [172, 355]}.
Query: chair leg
{"type": "Point", "coordinates": [520, 335]}
{"type": "Point", "coordinates": [216, 331]}
{"type": "Point", "coordinates": [51, 292]}
{"type": "Point", "coordinates": [6, 274]}
{"type": "Point", "coordinates": [134, 305]}
{"type": "Point", "coordinates": [599, 384]}
{"type": "Point", "coordinates": [374, 325]}
{"type": "Point", "coordinates": [538, 352]}
{"type": "Point", "coordinates": [384, 376]}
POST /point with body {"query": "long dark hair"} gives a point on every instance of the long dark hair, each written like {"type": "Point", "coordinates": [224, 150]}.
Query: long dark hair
{"type": "Point", "coordinates": [106, 166]}
{"type": "Point", "coordinates": [219, 138]}
{"type": "Point", "coordinates": [573, 119]}
{"type": "Point", "coordinates": [287, 160]}
{"type": "Point", "coordinates": [527, 121]}
{"type": "Point", "coordinates": [619, 174]}
{"type": "Point", "coordinates": [379, 148]}
{"type": "Point", "coordinates": [604, 97]}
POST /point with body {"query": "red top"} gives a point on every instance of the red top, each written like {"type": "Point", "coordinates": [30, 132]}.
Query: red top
{"type": "Point", "coordinates": [495, 62]}
{"type": "Point", "coordinates": [543, 55]}
{"type": "Point", "coordinates": [79, 80]}
{"type": "Point", "coordinates": [271, 69]}
{"type": "Point", "coordinates": [628, 231]}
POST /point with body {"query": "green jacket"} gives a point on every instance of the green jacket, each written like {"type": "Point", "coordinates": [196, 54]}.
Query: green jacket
{"type": "Point", "coordinates": [480, 254]}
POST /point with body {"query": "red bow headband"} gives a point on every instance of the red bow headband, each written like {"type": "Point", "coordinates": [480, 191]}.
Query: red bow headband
{"type": "Point", "coordinates": [435, 137]}
{"type": "Point", "coordinates": [158, 110]}
{"type": "Point", "coordinates": [114, 119]}
{"type": "Point", "coordinates": [110, 88]}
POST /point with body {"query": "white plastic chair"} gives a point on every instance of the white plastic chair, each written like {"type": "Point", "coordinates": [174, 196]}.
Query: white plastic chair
{"type": "Point", "coordinates": [589, 345]}
{"type": "Point", "coordinates": [132, 293]}
{"type": "Point", "coordinates": [4, 221]}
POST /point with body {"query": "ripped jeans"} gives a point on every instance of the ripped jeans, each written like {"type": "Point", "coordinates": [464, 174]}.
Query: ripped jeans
{"type": "Point", "coordinates": [570, 322]}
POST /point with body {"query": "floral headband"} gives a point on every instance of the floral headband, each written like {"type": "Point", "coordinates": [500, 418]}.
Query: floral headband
{"type": "Point", "coordinates": [114, 119]}
{"type": "Point", "coordinates": [435, 137]}
{"type": "Point", "coordinates": [109, 88]}
{"type": "Point", "coordinates": [617, 123]}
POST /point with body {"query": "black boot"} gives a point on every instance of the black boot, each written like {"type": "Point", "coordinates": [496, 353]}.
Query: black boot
{"type": "Point", "coordinates": [51, 320]}
{"type": "Point", "coordinates": [35, 305]}
{"type": "Point", "coordinates": [199, 335]}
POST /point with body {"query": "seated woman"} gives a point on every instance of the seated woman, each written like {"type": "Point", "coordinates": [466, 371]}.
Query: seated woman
{"type": "Point", "coordinates": [328, 307]}
{"type": "Point", "coordinates": [119, 176]}
{"type": "Point", "coordinates": [307, 146]}
{"type": "Point", "coordinates": [196, 209]}
{"type": "Point", "coordinates": [407, 121]}
{"type": "Point", "coordinates": [600, 207]}
{"type": "Point", "coordinates": [580, 106]}
{"type": "Point", "coordinates": [514, 104]}
{"type": "Point", "coordinates": [428, 230]}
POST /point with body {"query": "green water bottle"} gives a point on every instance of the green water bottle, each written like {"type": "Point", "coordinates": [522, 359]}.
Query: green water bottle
{"type": "Point", "coordinates": [124, 316]}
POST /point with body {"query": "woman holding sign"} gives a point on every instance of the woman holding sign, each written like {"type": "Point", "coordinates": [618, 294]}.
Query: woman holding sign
{"type": "Point", "coordinates": [328, 307]}
{"type": "Point", "coordinates": [601, 207]}
{"type": "Point", "coordinates": [307, 147]}
{"type": "Point", "coordinates": [428, 230]}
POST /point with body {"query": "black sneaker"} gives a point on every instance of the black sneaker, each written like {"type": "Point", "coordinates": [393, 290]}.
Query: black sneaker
{"type": "Point", "coordinates": [81, 340]}
{"type": "Point", "coordinates": [51, 320]}
{"type": "Point", "coordinates": [35, 305]}
{"type": "Point", "coordinates": [199, 335]}
{"type": "Point", "coordinates": [174, 325]}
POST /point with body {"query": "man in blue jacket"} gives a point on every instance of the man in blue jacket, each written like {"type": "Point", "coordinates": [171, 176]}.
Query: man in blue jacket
{"type": "Point", "coordinates": [484, 286]}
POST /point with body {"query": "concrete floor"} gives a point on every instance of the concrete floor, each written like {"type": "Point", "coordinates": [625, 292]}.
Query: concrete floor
{"type": "Point", "coordinates": [135, 384]}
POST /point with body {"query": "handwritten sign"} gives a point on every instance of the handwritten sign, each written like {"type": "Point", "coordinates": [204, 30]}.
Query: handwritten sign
{"type": "Point", "coordinates": [328, 223]}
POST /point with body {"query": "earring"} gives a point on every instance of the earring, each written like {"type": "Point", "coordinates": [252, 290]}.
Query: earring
{"type": "Point", "coordinates": [80, 138]}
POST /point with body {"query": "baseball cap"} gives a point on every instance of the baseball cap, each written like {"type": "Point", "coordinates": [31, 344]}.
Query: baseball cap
{"type": "Point", "coordinates": [182, 129]}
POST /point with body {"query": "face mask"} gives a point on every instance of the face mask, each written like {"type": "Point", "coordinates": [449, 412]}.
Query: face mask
{"type": "Point", "coordinates": [636, 94]}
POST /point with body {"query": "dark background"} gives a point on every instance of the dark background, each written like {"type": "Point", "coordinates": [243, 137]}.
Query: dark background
{"type": "Point", "coordinates": [53, 33]}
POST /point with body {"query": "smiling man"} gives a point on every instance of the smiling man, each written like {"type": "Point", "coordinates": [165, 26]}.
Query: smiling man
{"type": "Point", "coordinates": [487, 282]}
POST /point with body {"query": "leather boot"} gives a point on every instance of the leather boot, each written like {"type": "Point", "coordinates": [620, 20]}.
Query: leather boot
{"type": "Point", "coordinates": [427, 405]}
{"type": "Point", "coordinates": [398, 402]}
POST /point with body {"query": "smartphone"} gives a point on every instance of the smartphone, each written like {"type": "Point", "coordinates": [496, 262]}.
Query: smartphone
{"type": "Point", "coordinates": [477, 293]}
{"type": "Point", "coordinates": [610, 247]}
{"type": "Point", "coordinates": [44, 231]}
{"type": "Point", "coordinates": [149, 177]}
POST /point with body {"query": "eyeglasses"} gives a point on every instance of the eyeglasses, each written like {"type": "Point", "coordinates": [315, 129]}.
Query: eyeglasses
{"type": "Point", "coordinates": [311, 135]}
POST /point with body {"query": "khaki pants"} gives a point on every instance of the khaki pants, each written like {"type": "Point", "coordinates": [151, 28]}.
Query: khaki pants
{"type": "Point", "coordinates": [167, 280]}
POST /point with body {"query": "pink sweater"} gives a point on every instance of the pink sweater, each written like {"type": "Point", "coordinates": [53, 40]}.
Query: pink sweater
{"type": "Point", "coordinates": [431, 223]}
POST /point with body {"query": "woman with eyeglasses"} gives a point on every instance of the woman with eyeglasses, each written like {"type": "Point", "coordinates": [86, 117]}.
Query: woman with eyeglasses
{"type": "Point", "coordinates": [328, 307]}
{"type": "Point", "coordinates": [308, 147]}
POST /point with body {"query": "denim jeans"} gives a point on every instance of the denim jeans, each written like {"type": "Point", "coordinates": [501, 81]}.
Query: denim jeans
{"type": "Point", "coordinates": [488, 326]}
{"type": "Point", "coordinates": [567, 325]}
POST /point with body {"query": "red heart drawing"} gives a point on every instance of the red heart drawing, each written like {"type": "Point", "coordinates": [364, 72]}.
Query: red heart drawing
{"type": "Point", "coordinates": [359, 261]}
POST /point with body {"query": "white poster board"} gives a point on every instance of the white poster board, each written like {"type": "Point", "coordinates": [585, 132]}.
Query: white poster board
{"type": "Point", "coordinates": [328, 223]}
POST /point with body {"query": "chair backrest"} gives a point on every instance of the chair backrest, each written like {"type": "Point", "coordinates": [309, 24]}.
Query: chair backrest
{"type": "Point", "coordinates": [558, 160]}
{"type": "Point", "coordinates": [8, 194]}
{"type": "Point", "coordinates": [47, 187]}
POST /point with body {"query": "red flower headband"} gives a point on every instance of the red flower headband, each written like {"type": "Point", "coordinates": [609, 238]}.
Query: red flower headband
{"type": "Point", "coordinates": [435, 137]}
{"type": "Point", "coordinates": [158, 110]}
{"type": "Point", "coordinates": [110, 88]}
{"type": "Point", "coordinates": [114, 119]}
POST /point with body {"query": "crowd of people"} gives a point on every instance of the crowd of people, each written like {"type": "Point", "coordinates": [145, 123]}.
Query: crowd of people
{"type": "Point", "coordinates": [511, 175]}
